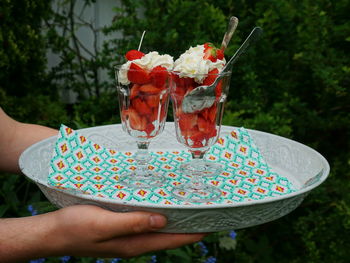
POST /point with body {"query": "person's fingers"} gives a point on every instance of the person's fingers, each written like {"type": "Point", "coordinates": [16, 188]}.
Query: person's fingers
{"type": "Point", "coordinates": [112, 224]}
{"type": "Point", "coordinates": [140, 244]}
{"type": "Point", "coordinates": [131, 246]}
{"type": "Point", "coordinates": [104, 233]}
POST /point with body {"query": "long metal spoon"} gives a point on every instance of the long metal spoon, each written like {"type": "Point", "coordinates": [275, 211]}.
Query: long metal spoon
{"type": "Point", "coordinates": [204, 96]}
{"type": "Point", "coordinates": [231, 28]}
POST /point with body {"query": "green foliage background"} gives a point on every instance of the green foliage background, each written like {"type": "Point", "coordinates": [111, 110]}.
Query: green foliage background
{"type": "Point", "coordinates": [294, 82]}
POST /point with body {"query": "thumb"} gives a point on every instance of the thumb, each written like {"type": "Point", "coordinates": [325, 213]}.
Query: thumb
{"type": "Point", "coordinates": [120, 224]}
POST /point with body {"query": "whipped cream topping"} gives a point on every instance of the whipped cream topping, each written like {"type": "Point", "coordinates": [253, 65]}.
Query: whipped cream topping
{"type": "Point", "coordinates": [191, 64]}
{"type": "Point", "coordinates": [147, 62]}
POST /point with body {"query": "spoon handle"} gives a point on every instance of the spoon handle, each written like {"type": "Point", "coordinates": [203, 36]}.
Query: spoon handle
{"type": "Point", "coordinates": [194, 100]}
{"type": "Point", "coordinates": [143, 35]}
{"type": "Point", "coordinates": [230, 30]}
{"type": "Point", "coordinates": [253, 36]}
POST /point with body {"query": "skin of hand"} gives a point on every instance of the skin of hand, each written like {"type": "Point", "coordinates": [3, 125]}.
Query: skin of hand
{"type": "Point", "coordinates": [15, 137]}
{"type": "Point", "coordinates": [85, 230]}
{"type": "Point", "coordinates": [80, 230]}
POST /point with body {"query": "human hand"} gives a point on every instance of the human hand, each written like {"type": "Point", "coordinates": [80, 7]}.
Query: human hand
{"type": "Point", "coordinates": [84, 230]}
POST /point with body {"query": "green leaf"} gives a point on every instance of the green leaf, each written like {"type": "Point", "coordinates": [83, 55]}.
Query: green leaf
{"type": "Point", "coordinates": [227, 243]}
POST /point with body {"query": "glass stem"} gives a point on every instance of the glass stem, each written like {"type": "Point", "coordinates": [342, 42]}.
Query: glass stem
{"type": "Point", "coordinates": [196, 182]}
{"type": "Point", "coordinates": [198, 155]}
{"type": "Point", "coordinates": [142, 158]}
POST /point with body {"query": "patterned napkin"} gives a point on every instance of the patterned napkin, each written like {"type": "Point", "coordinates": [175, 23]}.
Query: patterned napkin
{"type": "Point", "coordinates": [82, 165]}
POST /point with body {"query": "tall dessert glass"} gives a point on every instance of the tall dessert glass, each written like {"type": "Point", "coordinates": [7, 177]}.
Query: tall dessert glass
{"type": "Point", "coordinates": [143, 108]}
{"type": "Point", "coordinates": [198, 131]}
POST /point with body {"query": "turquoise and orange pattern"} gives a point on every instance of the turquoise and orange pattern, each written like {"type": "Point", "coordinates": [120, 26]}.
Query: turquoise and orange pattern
{"type": "Point", "coordinates": [83, 165]}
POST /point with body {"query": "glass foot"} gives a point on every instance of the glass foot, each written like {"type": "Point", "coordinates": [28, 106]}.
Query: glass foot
{"type": "Point", "coordinates": [202, 194]}
{"type": "Point", "coordinates": [205, 169]}
{"type": "Point", "coordinates": [148, 180]}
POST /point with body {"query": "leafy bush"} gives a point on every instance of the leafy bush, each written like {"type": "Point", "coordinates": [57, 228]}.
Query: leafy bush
{"type": "Point", "coordinates": [294, 82]}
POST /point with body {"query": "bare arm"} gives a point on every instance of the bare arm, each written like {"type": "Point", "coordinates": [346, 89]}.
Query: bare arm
{"type": "Point", "coordinates": [86, 231]}
{"type": "Point", "coordinates": [76, 230]}
{"type": "Point", "coordinates": [15, 137]}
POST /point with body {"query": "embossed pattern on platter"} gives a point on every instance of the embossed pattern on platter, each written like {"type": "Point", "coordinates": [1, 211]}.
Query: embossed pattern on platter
{"type": "Point", "coordinates": [276, 151]}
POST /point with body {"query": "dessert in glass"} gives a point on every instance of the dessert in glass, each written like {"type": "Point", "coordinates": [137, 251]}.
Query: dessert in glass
{"type": "Point", "coordinates": [198, 129]}
{"type": "Point", "coordinates": [143, 85]}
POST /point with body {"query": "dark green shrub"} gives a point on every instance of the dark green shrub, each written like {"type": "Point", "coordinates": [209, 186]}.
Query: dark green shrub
{"type": "Point", "coordinates": [23, 47]}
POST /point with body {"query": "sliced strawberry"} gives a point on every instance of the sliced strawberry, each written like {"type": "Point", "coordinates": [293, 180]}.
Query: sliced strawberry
{"type": "Point", "coordinates": [175, 77]}
{"type": "Point", "coordinates": [187, 121]}
{"type": "Point", "coordinates": [212, 75]}
{"type": "Point", "coordinates": [197, 144]}
{"type": "Point", "coordinates": [207, 45]}
{"type": "Point", "coordinates": [182, 82]}
{"type": "Point", "coordinates": [154, 115]}
{"type": "Point", "coordinates": [149, 89]}
{"type": "Point", "coordinates": [198, 137]}
{"type": "Point", "coordinates": [124, 114]}
{"type": "Point", "coordinates": [218, 89]}
{"type": "Point", "coordinates": [212, 132]}
{"type": "Point", "coordinates": [149, 128]}
{"type": "Point", "coordinates": [138, 75]}
{"type": "Point", "coordinates": [189, 89]}
{"type": "Point", "coordinates": [136, 121]}
{"type": "Point", "coordinates": [212, 113]}
{"type": "Point", "coordinates": [209, 52]}
{"type": "Point", "coordinates": [134, 54]}
{"type": "Point", "coordinates": [179, 91]}
{"type": "Point", "coordinates": [141, 106]}
{"type": "Point", "coordinates": [212, 53]}
{"type": "Point", "coordinates": [188, 133]}
{"type": "Point", "coordinates": [152, 100]}
{"type": "Point", "coordinates": [203, 125]}
{"type": "Point", "coordinates": [158, 113]}
{"type": "Point", "coordinates": [181, 86]}
{"type": "Point", "coordinates": [134, 91]}
{"type": "Point", "coordinates": [159, 76]}
{"type": "Point", "coordinates": [204, 113]}
{"type": "Point", "coordinates": [143, 124]}
{"type": "Point", "coordinates": [219, 54]}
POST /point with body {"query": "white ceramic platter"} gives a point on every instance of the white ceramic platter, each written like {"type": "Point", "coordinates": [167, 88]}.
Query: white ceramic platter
{"type": "Point", "coordinates": [304, 167]}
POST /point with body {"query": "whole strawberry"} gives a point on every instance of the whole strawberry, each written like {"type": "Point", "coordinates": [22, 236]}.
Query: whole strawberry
{"type": "Point", "coordinates": [134, 54]}
{"type": "Point", "coordinates": [212, 53]}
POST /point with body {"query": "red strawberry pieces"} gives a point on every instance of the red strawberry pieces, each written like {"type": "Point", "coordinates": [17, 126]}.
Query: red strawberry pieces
{"type": "Point", "coordinates": [182, 85]}
{"type": "Point", "coordinates": [138, 75]}
{"type": "Point", "coordinates": [152, 100]}
{"type": "Point", "coordinates": [134, 91]}
{"type": "Point", "coordinates": [136, 121]}
{"type": "Point", "coordinates": [159, 76]}
{"type": "Point", "coordinates": [197, 128]}
{"type": "Point", "coordinates": [187, 121]}
{"type": "Point", "coordinates": [141, 106]}
{"type": "Point", "coordinates": [212, 75]}
{"type": "Point", "coordinates": [148, 100]}
{"type": "Point", "coordinates": [134, 54]}
{"type": "Point", "coordinates": [219, 54]}
{"type": "Point", "coordinates": [145, 107]}
{"type": "Point", "coordinates": [209, 52]}
{"type": "Point", "coordinates": [212, 53]}
{"type": "Point", "coordinates": [149, 89]}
